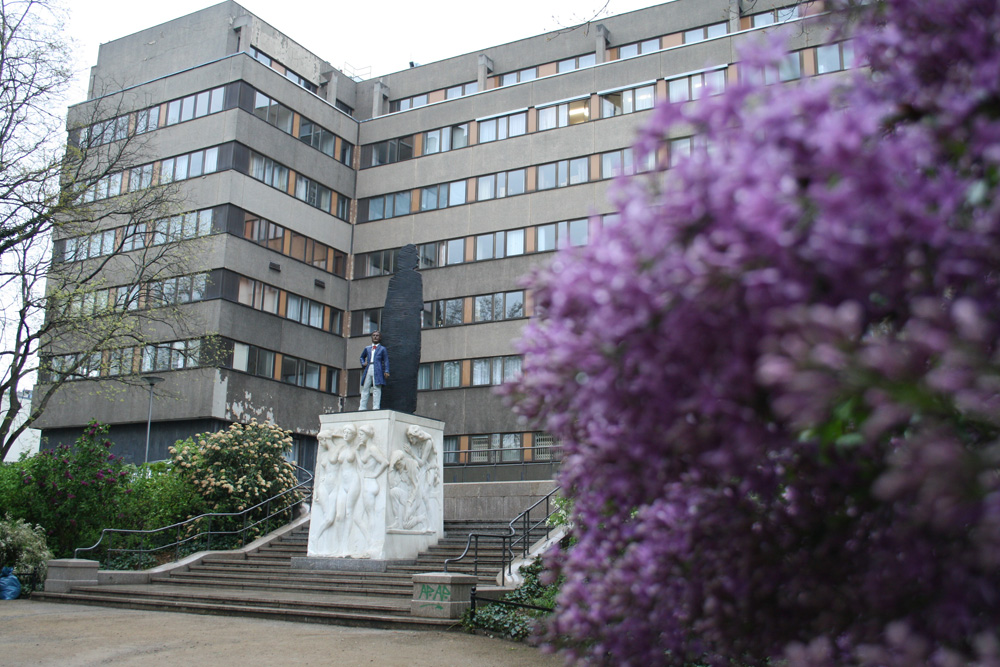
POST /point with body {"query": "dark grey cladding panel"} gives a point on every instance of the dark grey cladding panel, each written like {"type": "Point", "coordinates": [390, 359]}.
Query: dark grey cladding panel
{"type": "Point", "coordinates": [404, 302]}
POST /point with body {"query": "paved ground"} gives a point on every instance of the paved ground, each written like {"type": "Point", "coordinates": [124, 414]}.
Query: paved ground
{"type": "Point", "coordinates": [64, 635]}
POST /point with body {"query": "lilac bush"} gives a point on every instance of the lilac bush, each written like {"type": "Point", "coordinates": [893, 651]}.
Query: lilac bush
{"type": "Point", "coordinates": [777, 378]}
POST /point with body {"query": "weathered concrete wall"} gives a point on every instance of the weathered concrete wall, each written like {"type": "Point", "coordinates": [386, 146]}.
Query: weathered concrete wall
{"type": "Point", "coordinates": [496, 501]}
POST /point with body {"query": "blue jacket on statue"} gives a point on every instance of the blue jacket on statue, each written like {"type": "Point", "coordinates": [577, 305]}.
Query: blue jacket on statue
{"type": "Point", "coordinates": [381, 362]}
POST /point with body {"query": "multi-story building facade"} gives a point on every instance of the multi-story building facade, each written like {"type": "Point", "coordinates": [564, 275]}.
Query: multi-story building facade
{"type": "Point", "coordinates": [301, 184]}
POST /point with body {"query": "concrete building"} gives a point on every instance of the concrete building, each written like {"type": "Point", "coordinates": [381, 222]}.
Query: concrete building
{"type": "Point", "coordinates": [302, 183]}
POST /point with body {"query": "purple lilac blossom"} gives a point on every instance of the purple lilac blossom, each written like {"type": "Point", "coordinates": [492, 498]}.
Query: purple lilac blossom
{"type": "Point", "coordinates": [777, 379]}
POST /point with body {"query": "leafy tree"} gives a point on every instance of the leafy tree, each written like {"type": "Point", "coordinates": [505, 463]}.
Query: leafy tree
{"type": "Point", "coordinates": [56, 195]}
{"type": "Point", "coordinates": [777, 379]}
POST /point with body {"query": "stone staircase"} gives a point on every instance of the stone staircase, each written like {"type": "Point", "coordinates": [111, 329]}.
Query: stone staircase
{"type": "Point", "coordinates": [262, 583]}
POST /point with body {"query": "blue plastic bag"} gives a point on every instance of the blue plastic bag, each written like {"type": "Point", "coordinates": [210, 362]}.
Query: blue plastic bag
{"type": "Point", "coordinates": [10, 587]}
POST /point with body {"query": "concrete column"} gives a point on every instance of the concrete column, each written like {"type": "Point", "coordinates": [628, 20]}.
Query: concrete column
{"type": "Point", "coordinates": [442, 594]}
{"type": "Point", "coordinates": [65, 573]}
{"type": "Point", "coordinates": [331, 85]}
{"type": "Point", "coordinates": [379, 94]}
{"type": "Point", "coordinates": [734, 15]}
{"type": "Point", "coordinates": [485, 68]}
{"type": "Point", "coordinates": [242, 27]}
{"type": "Point", "coordinates": [602, 37]}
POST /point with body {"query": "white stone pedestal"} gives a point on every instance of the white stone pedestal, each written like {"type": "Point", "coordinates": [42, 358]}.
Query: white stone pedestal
{"type": "Point", "coordinates": [378, 491]}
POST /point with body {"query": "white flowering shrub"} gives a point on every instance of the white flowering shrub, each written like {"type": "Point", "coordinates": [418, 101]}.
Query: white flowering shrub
{"type": "Point", "coordinates": [23, 546]}
{"type": "Point", "coordinates": [237, 468]}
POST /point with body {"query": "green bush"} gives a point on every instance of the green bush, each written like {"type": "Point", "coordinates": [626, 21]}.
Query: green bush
{"type": "Point", "coordinates": [23, 547]}
{"type": "Point", "coordinates": [516, 622]}
{"type": "Point", "coordinates": [157, 496]}
{"type": "Point", "coordinates": [236, 469]}
{"type": "Point", "coordinates": [73, 492]}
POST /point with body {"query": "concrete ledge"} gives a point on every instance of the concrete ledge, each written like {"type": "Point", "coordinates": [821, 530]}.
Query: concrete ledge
{"type": "Point", "coordinates": [441, 594]}
{"type": "Point", "coordinates": [64, 573]}
{"type": "Point", "coordinates": [106, 577]}
{"type": "Point", "coordinates": [322, 563]}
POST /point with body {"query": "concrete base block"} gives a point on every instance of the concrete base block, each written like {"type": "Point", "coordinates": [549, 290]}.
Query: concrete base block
{"type": "Point", "coordinates": [65, 573]}
{"type": "Point", "coordinates": [318, 563]}
{"type": "Point", "coordinates": [441, 594]}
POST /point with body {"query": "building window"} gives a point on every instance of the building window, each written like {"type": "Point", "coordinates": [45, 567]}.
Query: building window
{"type": "Point", "coordinates": [617, 163]}
{"type": "Point", "coordinates": [789, 68]}
{"type": "Point", "coordinates": [579, 62]}
{"type": "Point", "coordinates": [134, 237]}
{"type": "Point", "coordinates": [442, 196]}
{"type": "Point", "coordinates": [461, 90]}
{"type": "Point", "coordinates": [503, 127]}
{"type": "Point", "coordinates": [443, 313]}
{"type": "Point", "coordinates": [562, 235]}
{"type": "Point", "coordinates": [499, 306]}
{"type": "Point", "coordinates": [774, 16]}
{"type": "Point", "coordinates": [834, 57]}
{"type": "Point", "coordinates": [373, 264]}
{"type": "Point", "coordinates": [495, 370]}
{"type": "Point", "coordinates": [313, 193]}
{"type": "Point", "coordinates": [113, 129]}
{"type": "Point", "coordinates": [450, 443]}
{"type": "Point", "coordinates": [504, 184]}
{"type": "Point", "coordinates": [382, 207]}
{"type": "Point", "coordinates": [304, 311]}
{"type": "Point", "coordinates": [446, 139]}
{"type": "Point", "coordinates": [171, 356]}
{"type": "Point", "coordinates": [439, 375]}
{"type": "Point", "coordinates": [543, 447]}
{"type": "Point", "coordinates": [627, 101]}
{"type": "Point", "coordinates": [258, 295]}
{"type": "Point", "coordinates": [696, 86]}
{"type": "Point", "coordinates": [639, 48]}
{"type": "Point", "coordinates": [268, 171]}
{"type": "Point", "coordinates": [510, 78]}
{"type": "Point", "coordinates": [281, 69]}
{"type": "Point", "coordinates": [191, 165]}
{"type": "Point", "coordinates": [705, 32]}
{"type": "Point", "coordinates": [407, 103]}
{"type": "Point", "coordinates": [177, 290]}
{"type": "Point", "coordinates": [193, 224]}
{"type": "Point", "coordinates": [344, 107]}
{"type": "Point", "coordinates": [364, 322]}
{"type": "Point", "coordinates": [563, 173]}
{"type": "Point", "coordinates": [562, 115]}
{"type": "Point", "coordinates": [387, 152]}
{"type": "Point", "coordinates": [300, 372]}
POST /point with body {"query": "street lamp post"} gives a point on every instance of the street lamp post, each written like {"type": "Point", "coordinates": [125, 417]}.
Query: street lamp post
{"type": "Point", "coordinates": [152, 381]}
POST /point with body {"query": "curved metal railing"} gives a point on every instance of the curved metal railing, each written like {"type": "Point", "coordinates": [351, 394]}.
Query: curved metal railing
{"type": "Point", "coordinates": [286, 500]}
{"type": "Point", "coordinates": [509, 542]}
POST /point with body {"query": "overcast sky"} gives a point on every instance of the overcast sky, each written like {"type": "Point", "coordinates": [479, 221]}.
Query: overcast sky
{"type": "Point", "coordinates": [383, 36]}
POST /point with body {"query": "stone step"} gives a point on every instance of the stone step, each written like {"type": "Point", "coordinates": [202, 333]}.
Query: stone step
{"type": "Point", "coordinates": [302, 609]}
{"type": "Point", "coordinates": [263, 584]}
{"type": "Point", "coordinates": [403, 589]}
{"type": "Point", "coordinates": [307, 577]}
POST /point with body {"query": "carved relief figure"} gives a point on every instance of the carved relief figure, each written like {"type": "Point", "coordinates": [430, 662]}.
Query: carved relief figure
{"type": "Point", "coordinates": [411, 484]}
{"type": "Point", "coordinates": [373, 464]}
{"type": "Point", "coordinates": [324, 489]}
{"type": "Point", "coordinates": [429, 479]}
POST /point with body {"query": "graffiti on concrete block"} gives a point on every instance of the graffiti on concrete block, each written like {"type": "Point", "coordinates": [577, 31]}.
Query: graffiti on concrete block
{"type": "Point", "coordinates": [439, 592]}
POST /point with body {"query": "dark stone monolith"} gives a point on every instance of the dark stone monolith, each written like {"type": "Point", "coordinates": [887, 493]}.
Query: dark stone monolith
{"type": "Point", "coordinates": [404, 304]}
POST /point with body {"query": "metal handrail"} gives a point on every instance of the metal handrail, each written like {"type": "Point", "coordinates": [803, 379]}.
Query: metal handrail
{"type": "Point", "coordinates": [505, 563]}
{"type": "Point", "coordinates": [178, 527]}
